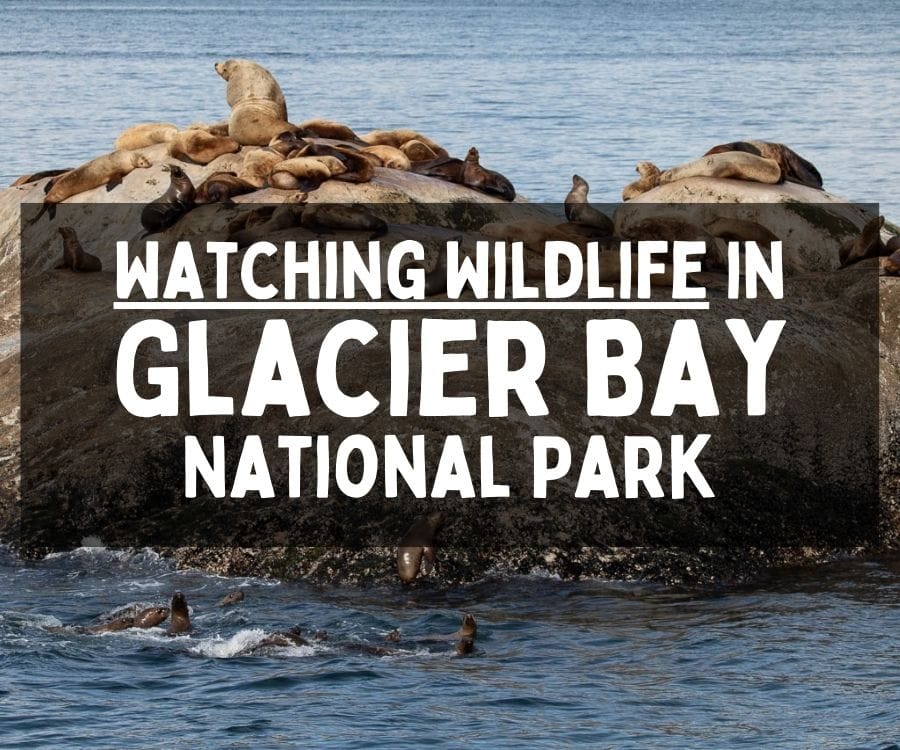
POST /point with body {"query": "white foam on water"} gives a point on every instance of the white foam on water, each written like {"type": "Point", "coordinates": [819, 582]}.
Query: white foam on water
{"type": "Point", "coordinates": [218, 647]}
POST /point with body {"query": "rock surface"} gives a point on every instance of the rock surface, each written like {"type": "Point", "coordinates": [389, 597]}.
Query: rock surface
{"type": "Point", "coordinates": [407, 199]}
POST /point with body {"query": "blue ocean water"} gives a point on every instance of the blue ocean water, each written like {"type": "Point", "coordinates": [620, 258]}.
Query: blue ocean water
{"type": "Point", "coordinates": [806, 660]}
{"type": "Point", "coordinates": [543, 89]}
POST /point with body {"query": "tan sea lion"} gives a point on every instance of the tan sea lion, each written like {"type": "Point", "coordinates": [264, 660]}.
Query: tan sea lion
{"type": "Point", "coordinates": [74, 257]}
{"type": "Point", "coordinates": [794, 167]}
{"type": "Point", "coordinates": [180, 621]}
{"type": "Point", "coordinates": [737, 165]}
{"type": "Point", "coordinates": [387, 156]}
{"type": "Point", "coordinates": [287, 142]}
{"type": "Point", "coordinates": [330, 129]}
{"type": "Point", "coordinates": [258, 109]}
{"type": "Point", "coordinates": [146, 134]}
{"type": "Point", "coordinates": [233, 597]}
{"type": "Point", "coordinates": [301, 173]}
{"type": "Point", "coordinates": [397, 138]}
{"type": "Point", "coordinates": [165, 211]}
{"type": "Point", "coordinates": [201, 147]}
{"type": "Point", "coordinates": [417, 150]}
{"type": "Point", "coordinates": [257, 166]}
{"type": "Point", "coordinates": [867, 245]}
{"type": "Point", "coordinates": [579, 211]}
{"type": "Point", "coordinates": [108, 170]}
{"type": "Point", "coordinates": [213, 128]}
{"type": "Point", "coordinates": [221, 187]}
{"type": "Point", "coordinates": [415, 553]}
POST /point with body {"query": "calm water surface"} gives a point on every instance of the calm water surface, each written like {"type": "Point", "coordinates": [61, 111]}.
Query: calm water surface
{"type": "Point", "coordinates": [806, 660]}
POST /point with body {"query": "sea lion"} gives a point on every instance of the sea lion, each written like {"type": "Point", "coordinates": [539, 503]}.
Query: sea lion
{"type": "Point", "coordinates": [146, 134]}
{"type": "Point", "coordinates": [113, 626]}
{"type": "Point", "coordinates": [108, 170]}
{"type": "Point", "coordinates": [287, 142]}
{"type": "Point", "coordinates": [262, 222]}
{"type": "Point", "coordinates": [417, 150]}
{"type": "Point", "coordinates": [302, 173]}
{"type": "Point", "coordinates": [867, 245]}
{"type": "Point", "coordinates": [221, 187]}
{"type": "Point", "coordinates": [736, 165]}
{"type": "Point", "coordinates": [329, 129]}
{"type": "Point", "coordinates": [180, 621]}
{"type": "Point", "coordinates": [213, 128]}
{"type": "Point", "coordinates": [320, 216]}
{"type": "Point", "coordinates": [257, 166]}
{"type": "Point", "coordinates": [579, 211]}
{"type": "Point", "coordinates": [284, 639]}
{"type": "Point", "coordinates": [890, 265]}
{"type": "Point", "coordinates": [258, 109]}
{"type": "Point", "coordinates": [233, 597]}
{"type": "Point", "coordinates": [415, 553]}
{"type": "Point", "coordinates": [165, 211]}
{"type": "Point", "coordinates": [74, 257]}
{"type": "Point", "coordinates": [486, 180]}
{"type": "Point", "coordinates": [397, 138]}
{"type": "Point", "coordinates": [150, 617]}
{"type": "Point", "coordinates": [794, 168]}
{"type": "Point", "coordinates": [387, 156]}
{"type": "Point", "coordinates": [29, 178]}
{"type": "Point", "coordinates": [201, 147]}
{"type": "Point", "coordinates": [435, 277]}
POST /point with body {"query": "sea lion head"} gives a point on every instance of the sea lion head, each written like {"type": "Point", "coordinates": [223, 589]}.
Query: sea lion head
{"type": "Point", "coordinates": [579, 182]}
{"type": "Point", "coordinates": [469, 626]}
{"type": "Point", "coordinates": [67, 233]}
{"type": "Point", "coordinates": [140, 161]}
{"type": "Point", "coordinates": [179, 604]}
{"type": "Point", "coordinates": [225, 68]}
{"type": "Point", "coordinates": [472, 156]}
{"type": "Point", "coordinates": [464, 646]}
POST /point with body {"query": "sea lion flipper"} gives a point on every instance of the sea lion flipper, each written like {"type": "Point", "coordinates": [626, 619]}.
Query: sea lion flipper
{"type": "Point", "coordinates": [428, 560]}
{"type": "Point", "coordinates": [113, 184]}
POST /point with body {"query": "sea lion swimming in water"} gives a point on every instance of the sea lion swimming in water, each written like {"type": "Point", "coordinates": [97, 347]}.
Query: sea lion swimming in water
{"type": "Point", "coordinates": [579, 211]}
{"type": "Point", "coordinates": [233, 597]}
{"type": "Point", "coordinates": [794, 168]}
{"type": "Point", "coordinates": [74, 257]}
{"type": "Point", "coordinates": [180, 621]}
{"type": "Point", "coordinates": [165, 211]}
{"type": "Point", "coordinates": [415, 552]}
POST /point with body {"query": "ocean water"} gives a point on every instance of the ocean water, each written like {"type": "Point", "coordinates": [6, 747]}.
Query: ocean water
{"type": "Point", "coordinates": [807, 659]}
{"type": "Point", "coordinates": [543, 89]}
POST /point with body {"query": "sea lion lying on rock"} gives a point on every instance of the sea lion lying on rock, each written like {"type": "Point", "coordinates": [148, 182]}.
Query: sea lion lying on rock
{"type": "Point", "coordinates": [794, 167]}
{"type": "Point", "coordinates": [108, 170]}
{"type": "Point", "coordinates": [221, 187]}
{"type": "Point", "coordinates": [146, 134]}
{"type": "Point", "coordinates": [579, 211]}
{"type": "Point", "coordinates": [468, 172]}
{"type": "Point", "coordinates": [201, 147]}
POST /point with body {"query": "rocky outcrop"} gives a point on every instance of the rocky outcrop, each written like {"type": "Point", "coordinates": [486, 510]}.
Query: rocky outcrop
{"type": "Point", "coordinates": [628, 538]}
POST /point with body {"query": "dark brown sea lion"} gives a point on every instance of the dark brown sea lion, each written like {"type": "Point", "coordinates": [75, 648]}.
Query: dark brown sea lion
{"type": "Point", "coordinates": [579, 211]}
{"type": "Point", "coordinates": [150, 617]}
{"type": "Point", "coordinates": [867, 245]}
{"type": "Point", "coordinates": [74, 257]}
{"type": "Point", "coordinates": [260, 223]}
{"type": "Point", "coordinates": [285, 639]}
{"type": "Point", "coordinates": [29, 178]}
{"type": "Point", "coordinates": [486, 180]}
{"type": "Point", "coordinates": [165, 211]}
{"type": "Point", "coordinates": [221, 187]}
{"type": "Point", "coordinates": [113, 626]}
{"type": "Point", "coordinates": [180, 621]}
{"type": "Point", "coordinates": [108, 170]}
{"type": "Point", "coordinates": [794, 167]}
{"type": "Point", "coordinates": [320, 216]}
{"type": "Point", "coordinates": [233, 597]}
{"type": "Point", "coordinates": [415, 552]}
{"type": "Point", "coordinates": [435, 277]}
